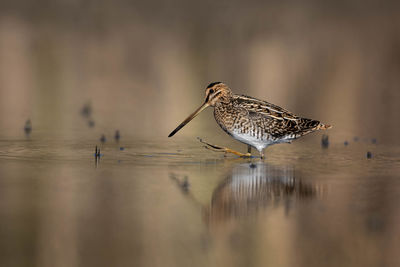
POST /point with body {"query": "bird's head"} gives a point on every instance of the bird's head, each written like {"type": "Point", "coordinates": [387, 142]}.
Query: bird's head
{"type": "Point", "coordinates": [215, 92]}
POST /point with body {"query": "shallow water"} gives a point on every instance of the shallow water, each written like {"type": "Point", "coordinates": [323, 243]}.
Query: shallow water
{"type": "Point", "coordinates": [174, 203]}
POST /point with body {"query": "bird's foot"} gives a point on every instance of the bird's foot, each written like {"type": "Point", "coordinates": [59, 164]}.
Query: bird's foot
{"type": "Point", "coordinates": [224, 149]}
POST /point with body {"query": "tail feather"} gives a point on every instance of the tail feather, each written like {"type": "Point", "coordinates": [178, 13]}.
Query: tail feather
{"type": "Point", "coordinates": [310, 126]}
{"type": "Point", "coordinates": [322, 126]}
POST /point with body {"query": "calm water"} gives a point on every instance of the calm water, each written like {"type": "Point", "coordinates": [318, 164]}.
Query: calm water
{"type": "Point", "coordinates": [174, 203]}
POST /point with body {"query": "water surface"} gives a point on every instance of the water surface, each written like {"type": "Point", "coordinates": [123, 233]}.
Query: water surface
{"type": "Point", "coordinates": [158, 203]}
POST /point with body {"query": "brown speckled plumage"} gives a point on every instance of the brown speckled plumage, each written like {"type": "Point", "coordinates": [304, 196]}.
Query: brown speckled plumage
{"type": "Point", "coordinates": [253, 121]}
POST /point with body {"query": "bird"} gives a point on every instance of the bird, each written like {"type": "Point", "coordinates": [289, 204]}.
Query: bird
{"type": "Point", "coordinates": [254, 122]}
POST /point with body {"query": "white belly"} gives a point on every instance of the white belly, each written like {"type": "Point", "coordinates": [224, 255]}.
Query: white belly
{"type": "Point", "coordinates": [259, 144]}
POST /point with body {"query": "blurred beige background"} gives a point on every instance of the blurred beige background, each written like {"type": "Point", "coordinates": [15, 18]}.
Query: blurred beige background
{"type": "Point", "coordinates": [143, 66]}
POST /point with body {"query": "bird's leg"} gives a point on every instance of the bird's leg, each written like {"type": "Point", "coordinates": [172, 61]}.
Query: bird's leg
{"type": "Point", "coordinates": [249, 149]}
{"type": "Point", "coordinates": [224, 149]}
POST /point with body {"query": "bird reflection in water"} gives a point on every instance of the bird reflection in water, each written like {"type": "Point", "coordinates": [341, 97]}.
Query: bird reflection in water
{"type": "Point", "coordinates": [251, 188]}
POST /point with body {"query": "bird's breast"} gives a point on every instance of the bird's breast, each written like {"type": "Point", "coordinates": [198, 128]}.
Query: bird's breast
{"type": "Point", "coordinates": [238, 123]}
{"type": "Point", "coordinates": [226, 116]}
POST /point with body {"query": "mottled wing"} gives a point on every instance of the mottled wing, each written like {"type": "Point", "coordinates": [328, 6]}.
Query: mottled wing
{"type": "Point", "coordinates": [278, 121]}
{"type": "Point", "coordinates": [264, 107]}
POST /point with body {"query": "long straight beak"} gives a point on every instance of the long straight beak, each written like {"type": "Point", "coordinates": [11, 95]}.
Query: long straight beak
{"type": "Point", "coordinates": [188, 119]}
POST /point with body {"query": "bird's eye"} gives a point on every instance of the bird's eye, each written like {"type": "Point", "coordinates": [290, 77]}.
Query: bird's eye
{"type": "Point", "coordinates": [211, 91]}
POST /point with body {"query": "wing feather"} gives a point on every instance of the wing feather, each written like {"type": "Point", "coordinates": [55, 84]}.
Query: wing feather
{"type": "Point", "coordinates": [287, 123]}
{"type": "Point", "coordinates": [265, 108]}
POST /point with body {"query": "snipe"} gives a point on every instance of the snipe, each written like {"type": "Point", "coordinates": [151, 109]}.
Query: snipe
{"type": "Point", "coordinates": [251, 121]}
